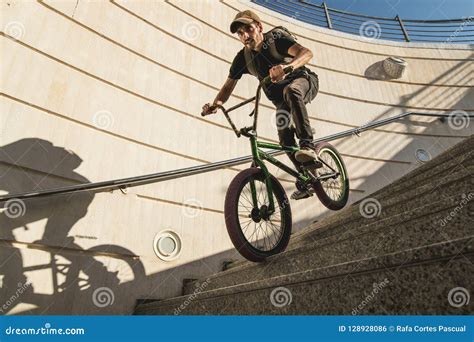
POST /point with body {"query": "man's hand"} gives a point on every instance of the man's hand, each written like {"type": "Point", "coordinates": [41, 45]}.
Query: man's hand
{"type": "Point", "coordinates": [276, 73]}
{"type": "Point", "coordinates": [209, 109]}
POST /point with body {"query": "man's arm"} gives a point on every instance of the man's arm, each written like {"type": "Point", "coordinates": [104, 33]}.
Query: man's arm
{"type": "Point", "coordinates": [301, 56]}
{"type": "Point", "coordinates": [221, 98]}
{"type": "Point", "coordinates": [225, 91]}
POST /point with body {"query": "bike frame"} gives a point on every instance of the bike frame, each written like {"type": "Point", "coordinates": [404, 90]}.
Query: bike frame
{"type": "Point", "coordinates": [259, 155]}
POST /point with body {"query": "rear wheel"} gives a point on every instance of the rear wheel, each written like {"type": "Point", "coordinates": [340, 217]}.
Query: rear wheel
{"type": "Point", "coordinates": [333, 192]}
{"type": "Point", "coordinates": [256, 232]}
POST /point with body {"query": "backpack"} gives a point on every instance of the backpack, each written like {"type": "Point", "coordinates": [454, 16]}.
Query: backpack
{"type": "Point", "coordinates": [275, 33]}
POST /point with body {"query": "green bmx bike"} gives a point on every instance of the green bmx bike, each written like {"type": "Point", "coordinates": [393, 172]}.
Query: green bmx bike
{"type": "Point", "coordinates": [257, 210]}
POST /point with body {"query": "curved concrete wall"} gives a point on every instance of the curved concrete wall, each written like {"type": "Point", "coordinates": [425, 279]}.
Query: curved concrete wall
{"type": "Point", "coordinates": [95, 91]}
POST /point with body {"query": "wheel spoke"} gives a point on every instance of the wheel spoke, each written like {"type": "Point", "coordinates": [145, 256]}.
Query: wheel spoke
{"type": "Point", "coordinates": [334, 188]}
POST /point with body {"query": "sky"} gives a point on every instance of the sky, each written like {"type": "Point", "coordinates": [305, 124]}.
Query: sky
{"type": "Point", "coordinates": [406, 9]}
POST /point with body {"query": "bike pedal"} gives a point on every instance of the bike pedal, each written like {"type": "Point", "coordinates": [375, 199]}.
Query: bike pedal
{"type": "Point", "coordinates": [299, 195]}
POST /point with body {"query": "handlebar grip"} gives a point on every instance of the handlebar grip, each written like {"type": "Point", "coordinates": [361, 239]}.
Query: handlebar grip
{"type": "Point", "coordinates": [268, 79]}
{"type": "Point", "coordinates": [216, 107]}
{"type": "Point", "coordinates": [288, 69]}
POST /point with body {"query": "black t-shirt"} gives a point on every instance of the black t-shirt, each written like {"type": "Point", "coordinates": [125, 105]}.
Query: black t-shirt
{"type": "Point", "coordinates": [263, 61]}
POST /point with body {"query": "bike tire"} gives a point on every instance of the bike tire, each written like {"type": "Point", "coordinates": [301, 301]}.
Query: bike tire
{"type": "Point", "coordinates": [233, 222]}
{"type": "Point", "coordinates": [324, 151]}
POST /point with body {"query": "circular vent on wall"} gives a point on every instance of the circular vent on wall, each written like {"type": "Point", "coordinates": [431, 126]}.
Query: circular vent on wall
{"type": "Point", "coordinates": [422, 155]}
{"type": "Point", "coordinates": [167, 245]}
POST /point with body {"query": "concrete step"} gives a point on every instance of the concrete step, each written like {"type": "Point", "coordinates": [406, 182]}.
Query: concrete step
{"type": "Point", "coordinates": [420, 205]}
{"type": "Point", "coordinates": [424, 225]}
{"type": "Point", "coordinates": [459, 151]}
{"type": "Point", "coordinates": [458, 157]}
{"type": "Point", "coordinates": [424, 175]}
{"type": "Point", "coordinates": [415, 281]}
{"type": "Point", "coordinates": [455, 184]}
{"type": "Point", "coordinates": [412, 184]}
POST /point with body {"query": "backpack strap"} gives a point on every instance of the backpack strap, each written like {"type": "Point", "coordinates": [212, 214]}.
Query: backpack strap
{"type": "Point", "coordinates": [274, 33]}
{"type": "Point", "coordinates": [249, 62]}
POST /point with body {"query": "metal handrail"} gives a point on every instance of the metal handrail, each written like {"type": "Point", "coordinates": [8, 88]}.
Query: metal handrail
{"type": "Point", "coordinates": [331, 18]}
{"type": "Point", "coordinates": [386, 18]}
{"type": "Point", "coordinates": [124, 183]}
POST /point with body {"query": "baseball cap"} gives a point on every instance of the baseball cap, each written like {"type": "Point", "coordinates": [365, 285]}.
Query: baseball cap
{"type": "Point", "coordinates": [245, 17]}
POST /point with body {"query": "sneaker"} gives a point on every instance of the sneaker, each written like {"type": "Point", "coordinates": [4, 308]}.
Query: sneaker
{"type": "Point", "coordinates": [305, 154]}
{"type": "Point", "coordinates": [300, 194]}
{"type": "Point", "coordinates": [307, 157]}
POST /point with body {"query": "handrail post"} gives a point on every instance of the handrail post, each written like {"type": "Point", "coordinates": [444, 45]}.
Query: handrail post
{"type": "Point", "coordinates": [328, 18]}
{"type": "Point", "coordinates": [405, 33]}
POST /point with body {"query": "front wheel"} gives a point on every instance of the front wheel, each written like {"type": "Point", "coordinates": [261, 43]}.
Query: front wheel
{"type": "Point", "coordinates": [333, 187]}
{"type": "Point", "coordinates": [255, 231]}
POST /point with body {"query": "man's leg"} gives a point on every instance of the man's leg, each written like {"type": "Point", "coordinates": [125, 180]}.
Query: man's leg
{"type": "Point", "coordinates": [286, 135]}
{"type": "Point", "coordinates": [299, 92]}
{"type": "Point", "coordinates": [285, 132]}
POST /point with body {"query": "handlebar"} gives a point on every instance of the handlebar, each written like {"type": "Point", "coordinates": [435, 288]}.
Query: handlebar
{"type": "Point", "coordinates": [265, 81]}
{"type": "Point", "coordinates": [247, 131]}
{"type": "Point", "coordinates": [206, 114]}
